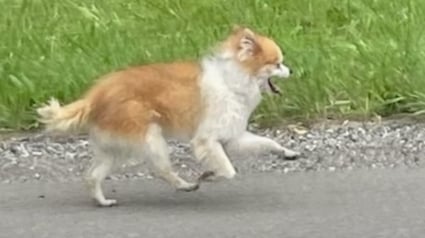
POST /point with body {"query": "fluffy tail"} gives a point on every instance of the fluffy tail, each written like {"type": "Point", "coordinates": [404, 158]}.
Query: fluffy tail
{"type": "Point", "coordinates": [69, 117]}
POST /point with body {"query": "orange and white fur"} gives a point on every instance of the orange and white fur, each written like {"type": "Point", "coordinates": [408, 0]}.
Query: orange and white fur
{"type": "Point", "coordinates": [130, 113]}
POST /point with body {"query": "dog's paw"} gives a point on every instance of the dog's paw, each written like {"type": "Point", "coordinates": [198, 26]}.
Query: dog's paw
{"type": "Point", "coordinates": [189, 187]}
{"type": "Point", "coordinates": [207, 176]}
{"type": "Point", "coordinates": [291, 154]}
{"type": "Point", "coordinates": [107, 203]}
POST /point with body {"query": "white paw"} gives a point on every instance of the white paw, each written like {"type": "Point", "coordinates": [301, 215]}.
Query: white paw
{"type": "Point", "coordinates": [226, 174]}
{"type": "Point", "coordinates": [108, 202]}
{"type": "Point", "coordinates": [188, 187]}
{"type": "Point", "coordinates": [291, 154]}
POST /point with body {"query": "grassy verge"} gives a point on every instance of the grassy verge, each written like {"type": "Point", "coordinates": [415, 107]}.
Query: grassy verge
{"type": "Point", "coordinates": [351, 57]}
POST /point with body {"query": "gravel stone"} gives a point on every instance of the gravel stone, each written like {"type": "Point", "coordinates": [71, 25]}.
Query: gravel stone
{"type": "Point", "coordinates": [328, 146]}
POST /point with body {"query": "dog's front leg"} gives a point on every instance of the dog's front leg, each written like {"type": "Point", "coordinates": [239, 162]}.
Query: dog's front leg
{"type": "Point", "coordinates": [211, 154]}
{"type": "Point", "coordinates": [249, 143]}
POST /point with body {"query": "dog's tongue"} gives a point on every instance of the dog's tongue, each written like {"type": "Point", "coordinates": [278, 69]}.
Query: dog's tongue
{"type": "Point", "coordinates": [273, 87]}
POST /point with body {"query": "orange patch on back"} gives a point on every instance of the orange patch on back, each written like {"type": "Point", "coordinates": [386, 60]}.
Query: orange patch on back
{"type": "Point", "coordinates": [127, 101]}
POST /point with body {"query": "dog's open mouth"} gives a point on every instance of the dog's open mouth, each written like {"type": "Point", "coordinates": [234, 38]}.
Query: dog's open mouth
{"type": "Point", "coordinates": [273, 87]}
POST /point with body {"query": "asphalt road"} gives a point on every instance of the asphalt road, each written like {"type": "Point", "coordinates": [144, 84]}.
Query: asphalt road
{"type": "Point", "coordinates": [367, 203]}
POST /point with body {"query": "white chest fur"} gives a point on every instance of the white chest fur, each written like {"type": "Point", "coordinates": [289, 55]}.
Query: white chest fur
{"type": "Point", "coordinates": [229, 95]}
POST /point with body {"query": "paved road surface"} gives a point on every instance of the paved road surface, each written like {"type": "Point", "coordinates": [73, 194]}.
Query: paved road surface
{"type": "Point", "coordinates": [360, 204]}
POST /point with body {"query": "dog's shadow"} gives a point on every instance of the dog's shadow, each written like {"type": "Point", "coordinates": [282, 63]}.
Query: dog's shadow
{"type": "Point", "coordinates": [210, 197]}
{"type": "Point", "coordinates": [154, 196]}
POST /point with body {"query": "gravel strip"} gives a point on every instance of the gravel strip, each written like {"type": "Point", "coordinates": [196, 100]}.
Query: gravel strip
{"type": "Point", "coordinates": [326, 146]}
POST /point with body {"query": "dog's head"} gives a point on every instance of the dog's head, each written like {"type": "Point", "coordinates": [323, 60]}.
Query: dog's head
{"type": "Point", "coordinates": [258, 55]}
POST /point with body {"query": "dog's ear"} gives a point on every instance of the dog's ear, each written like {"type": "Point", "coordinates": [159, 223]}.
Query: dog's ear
{"type": "Point", "coordinates": [236, 28]}
{"type": "Point", "coordinates": [248, 45]}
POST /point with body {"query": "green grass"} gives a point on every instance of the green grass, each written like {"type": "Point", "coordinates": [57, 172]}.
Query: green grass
{"type": "Point", "coordinates": [350, 57]}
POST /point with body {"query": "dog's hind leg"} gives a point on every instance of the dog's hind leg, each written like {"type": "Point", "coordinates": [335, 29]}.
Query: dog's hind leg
{"type": "Point", "coordinates": [101, 167]}
{"type": "Point", "coordinates": [159, 156]}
